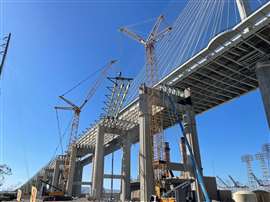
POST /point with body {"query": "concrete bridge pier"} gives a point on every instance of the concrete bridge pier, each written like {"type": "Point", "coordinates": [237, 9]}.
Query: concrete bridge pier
{"type": "Point", "coordinates": [77, 179]}
{"type": "Point", "coordinates": [56, 173]}
{"type": "Point", "coordinates": [189, 124]}
{"type": "Point", "coordinates": [263, 76]}
{"type": "Point", "coordinates": [28, 189]}
{"type": "Point", "coordinates": [98, 165]}
{"type": "Point", "coordinates": [44, 178]}
{"type": "Point", "coordinates": [125, 180]}
{"type": "Point", "coordinates": [71, 171]}
{"type": "Point", "coordinates": [146, 172]}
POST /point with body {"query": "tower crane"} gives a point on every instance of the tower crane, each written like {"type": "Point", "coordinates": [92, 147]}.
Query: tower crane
{"type": "Point", "coordinates": [149, 43]}
{"type": "Point", "coordinates": [152, 76]}
{"type": "Point", "coordinates": [76, 114]}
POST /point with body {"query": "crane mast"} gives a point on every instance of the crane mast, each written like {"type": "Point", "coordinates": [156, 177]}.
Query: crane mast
{"type": "Point", "coordinates": [156, 125]}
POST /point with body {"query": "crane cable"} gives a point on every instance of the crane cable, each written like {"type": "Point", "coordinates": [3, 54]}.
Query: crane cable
{"type": "Point", "coordinates": [59, 131]}
{"type": "Point", "coordinates": [62, 137]}
{"type": "Point", "coordinates": [84, 80]}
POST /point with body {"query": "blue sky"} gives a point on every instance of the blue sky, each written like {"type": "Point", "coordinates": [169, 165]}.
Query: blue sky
{"type": "Point", "coordinates": [57, 43]}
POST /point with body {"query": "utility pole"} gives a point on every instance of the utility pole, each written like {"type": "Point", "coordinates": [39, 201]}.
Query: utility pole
{"type": "Point", "coordinates": [4, 51]}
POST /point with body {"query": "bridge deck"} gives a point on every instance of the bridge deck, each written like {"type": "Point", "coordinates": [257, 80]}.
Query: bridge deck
{"type": "Point", "coordinates": [225, 69]}
{"type": "Point", "coordinates": [222, 71]}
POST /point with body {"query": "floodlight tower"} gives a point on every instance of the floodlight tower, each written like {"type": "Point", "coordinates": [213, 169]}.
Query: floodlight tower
{"type": "Point", "coordinates": [261, 157]}
{"type": "Point", "coordinates": [266, 151]}
{"type": "Point", "coordinates": [248, 160]}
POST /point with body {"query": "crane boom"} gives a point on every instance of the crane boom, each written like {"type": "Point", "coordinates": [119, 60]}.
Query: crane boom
{"type": "Point", "coordinates": [161, 34]}
{"type": "Point", "coordinates": [133, 35]}
{"type": "Point", "coordinates": [76, 118]}
{"type": "Point", "coordinates": [92, 91]}
{"type": "Point", "coordinates": [68, 101]}
{"type": "Point", "coordinates": [155, 28]}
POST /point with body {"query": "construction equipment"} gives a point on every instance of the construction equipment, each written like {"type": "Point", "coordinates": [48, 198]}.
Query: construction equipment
{"type": "Point", "coordinates": [57, 195]}
{"type": "Point", "coordinates": [152, 75]}
{"type": "Point", "coordinates": [197, 171]}
{"type": "Point", "coordinates": [76, 115]}
{"type": "Point", "coordinates": [149, 44]}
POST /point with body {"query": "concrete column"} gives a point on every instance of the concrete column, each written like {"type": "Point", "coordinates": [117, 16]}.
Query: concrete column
{"type": "Point", "coordinates": [28, 189]}
{"type": "Point", "coordinates": [56, 173]}
{"type": "Point", "coordinates": [125, 182]}
{"type": "Point", "coordinates": [92, 175]}
{"type": "Point", "coordinates": [263, 76]}
{"type": "Point", "coordinates": [243, 8]}
{"type": "Point", "coordinates": [189, 124]}
{"type": "Point", "coordinates": [183, 150]}
{"type": "Point", "coordinates": [43, 185]}
{"type": "Point", "coordinates": [71, 170]}
{"type": "Point", "coordinates": [146, 171]}
{"type": "Point", "coordinates": [77, 179]}
{"type": "Point", "coordinates": [98, 165]}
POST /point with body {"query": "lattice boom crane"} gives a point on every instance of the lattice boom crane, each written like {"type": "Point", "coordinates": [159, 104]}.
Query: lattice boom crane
{"type": "Point", "coordinates": [76, 116]}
